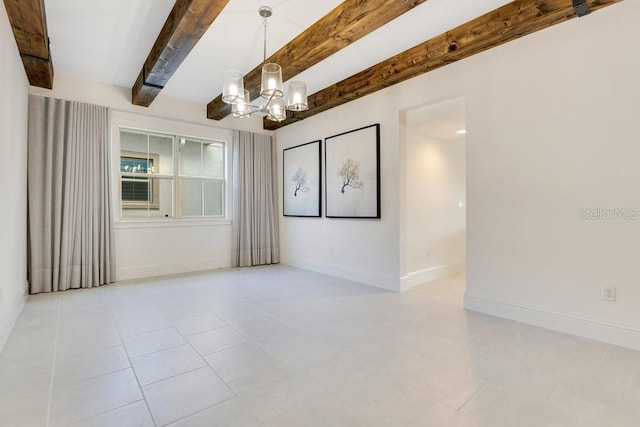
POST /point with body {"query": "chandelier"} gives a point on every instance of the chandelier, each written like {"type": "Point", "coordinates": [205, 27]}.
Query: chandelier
{"type": "Point", "coordinates": [272, 96]}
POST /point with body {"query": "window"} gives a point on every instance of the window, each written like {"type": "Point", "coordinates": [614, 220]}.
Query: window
{"type": "Point", "coordinates": [138, 190]}
{"type": "Point", "coordinates": [167, 176]}
{"type": "Point", "coordinates": [201, 177]}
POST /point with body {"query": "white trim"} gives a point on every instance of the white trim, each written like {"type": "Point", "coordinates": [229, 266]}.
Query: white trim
{"type": "Point", "coordinates": [356, 275]}
{"type": "Point", "coordinates": [171, 223]}
{"type": "Point", "coordinates": [430, 274]}
{"type": "Point", "coordinates": [609, 332]}
{"type": "Point", "coordinates": [155, 270]}
{"type": "Point", "coordinates": [10, 319]}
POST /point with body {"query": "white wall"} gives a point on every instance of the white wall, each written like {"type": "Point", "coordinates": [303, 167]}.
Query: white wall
{"type": "Point", "coordinates": [551, 133]}
{"type": "Point", "coordinates": [435, 221]}
{"type": "Point", "coordinates": [14, 90]}
{"type": "Point", "coordinates": [551, 129]}
{"type": "Point", "coordinates": [159, 247]}
{"type": "Point", "coordinates": [363, 250]}
{"type": "Point", "coordinates": [155, 248]}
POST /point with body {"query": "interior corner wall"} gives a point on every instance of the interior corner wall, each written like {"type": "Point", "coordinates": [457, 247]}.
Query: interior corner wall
{"type": "Point", "coordinates": [14, 88]}
{"type": "Point", "coordinates": [363, 250]}
{"type": "Point", "coordinates": [552, 141]}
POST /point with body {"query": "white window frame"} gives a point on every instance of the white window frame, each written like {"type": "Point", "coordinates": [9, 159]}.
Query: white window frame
{"type": "Point", "coordinates": [202, 179]}
{"type": "Point", "coordinates": [176, 129]}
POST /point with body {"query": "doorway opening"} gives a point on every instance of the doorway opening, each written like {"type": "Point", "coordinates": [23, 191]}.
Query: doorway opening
{"type": "Point", "coordinates": [435, 150]}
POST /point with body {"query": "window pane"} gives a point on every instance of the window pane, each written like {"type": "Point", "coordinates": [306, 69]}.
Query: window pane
{"type": "Point", "coordinates": [190, 161]}
{"type": "Point", "coordinates": [213, 198]}
{"type": "Point", "coordinates": [134, 162]}
{"type": "Point", "coordinates": [213, 160]}
{"type": "Point", "coordinates": [191, 197]}
{"type": "Point", "coordinates": [148, 168]}
{"type": "Point", "coordinates": [144, 197]}
{"type": "Point", "coordinates": [146, 153]}
{"type": "Point", "coordinates": [131, 141]}
{"type": "Point", "coordinates": [136, 189]}
{"type": "Point", "coordinates": [161, 147]}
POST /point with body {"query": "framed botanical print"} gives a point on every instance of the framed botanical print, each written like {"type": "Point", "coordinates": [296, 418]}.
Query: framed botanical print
{"type": "Point", "coordinates": [352, 173]}
{"type": "Point", "coordinates": [301, 185]}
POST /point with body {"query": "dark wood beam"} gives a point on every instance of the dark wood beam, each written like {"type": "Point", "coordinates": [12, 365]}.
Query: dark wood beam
{"type": "Point", "coordinates": [348, 22]}
{"type": "Point", "coordinates": [29, 23]}
{"type": "Point", "coordinates": [187, 22]}
{"type": "Point", "coordinates": [509, 22]}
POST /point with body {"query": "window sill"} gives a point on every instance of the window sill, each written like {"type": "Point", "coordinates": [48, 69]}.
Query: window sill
{"type": "Point", "coordinates": [170, 223]}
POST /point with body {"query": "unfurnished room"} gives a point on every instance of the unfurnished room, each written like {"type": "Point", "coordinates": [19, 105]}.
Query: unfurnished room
{"type": "Point", "coordinates": [303, 213]}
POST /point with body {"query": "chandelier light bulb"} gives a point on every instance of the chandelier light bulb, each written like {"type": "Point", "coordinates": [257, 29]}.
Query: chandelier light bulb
{"type": "Point", "coordinates": [297, 98]}
{"type": "Point", "coordinates": [232, 87]}
{"type": "Point", "coordinates": [271, 81]}
{"type": "Point", "coordinates": [242, 109]}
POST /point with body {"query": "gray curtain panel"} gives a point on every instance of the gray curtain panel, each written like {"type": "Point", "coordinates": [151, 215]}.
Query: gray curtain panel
{"type": "Point", "coordinates": [255, 212]}
{"type": "Point", "coordinates": [71, 243]}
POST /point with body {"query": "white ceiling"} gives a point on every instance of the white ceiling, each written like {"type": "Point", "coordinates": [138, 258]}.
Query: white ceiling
{"type": "Point", "coordinates": [108, 41]}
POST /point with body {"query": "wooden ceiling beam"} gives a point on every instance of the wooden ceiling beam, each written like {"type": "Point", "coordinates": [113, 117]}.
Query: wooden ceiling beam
{"type": "Point", "coordinates": [509, 22]}
{"type": "Point", "coordinates": [348, 22]}
{"type": "Point", "coordinates": [29, 23]}
{"type": "Point", "coordinates": [187, 22]}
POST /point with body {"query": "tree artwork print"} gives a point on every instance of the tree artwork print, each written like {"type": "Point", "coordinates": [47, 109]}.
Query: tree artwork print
{"type": "Point", "coordinates": [301, 185]}
{"type": "Point", "coordinates": [352, 174]}
{"type": "Point", "coordinates": [300, 180]}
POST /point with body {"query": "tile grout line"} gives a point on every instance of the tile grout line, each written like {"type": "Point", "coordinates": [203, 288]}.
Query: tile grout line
{"type": "Point", "coordinates": [207, 365]}
{"type": "Point", "coordinates": [110, 410]}
{"type": "Point", "coordinates": [459, 410]}
{"type": "Point", "coordinates": [205, 409]}
{"type": "Point", "coordinates": [53, 366]}
{"type": "Point", "coordinates": [133, 371]}
{"type": "Point", "coordinates": [187, 342]}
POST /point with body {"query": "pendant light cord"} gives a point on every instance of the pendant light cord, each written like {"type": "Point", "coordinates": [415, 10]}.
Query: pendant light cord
{"type": "Point", "coordinates": [264, 47]}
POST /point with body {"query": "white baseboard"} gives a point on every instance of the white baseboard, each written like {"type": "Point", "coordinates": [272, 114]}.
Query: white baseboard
{"type": "Point", "coordinates": [356, 275]}
{"type": "Point", "coordinates": [9, 320]}
{"type": "Point", "coordinates": [155, 270]}
{"type": "Point", "coordinates": [430, 274]}
{"type": "Point", "coordinates": [612, 333]}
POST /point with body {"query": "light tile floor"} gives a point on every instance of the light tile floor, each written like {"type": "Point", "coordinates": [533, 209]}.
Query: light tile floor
{"type": "Point", "coordinates": [279, 346]}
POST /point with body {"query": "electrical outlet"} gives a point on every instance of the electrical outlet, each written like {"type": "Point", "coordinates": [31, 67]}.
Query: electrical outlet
{"type": "Point", "coordinates": [609, 293]}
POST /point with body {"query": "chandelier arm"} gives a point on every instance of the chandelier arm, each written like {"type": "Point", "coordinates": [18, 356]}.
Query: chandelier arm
{"type": "Point", "coordinates": [269, 100]}
{"type": "Point", "coordinates": [255, 107]}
